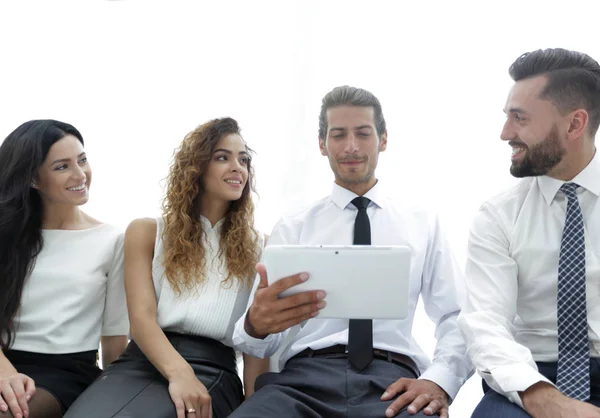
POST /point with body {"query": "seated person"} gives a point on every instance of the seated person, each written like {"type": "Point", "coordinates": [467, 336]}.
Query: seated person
{"type": "Point", "coordinates": [532, 314]}
{"type": "Point", "coordinates": [61, 286]}
{"type": "Point", "coordinates": [363, 368]}
{"type": "Point", "coordinates": [188, 276]}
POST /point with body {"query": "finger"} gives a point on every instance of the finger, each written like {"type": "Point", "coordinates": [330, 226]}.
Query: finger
{"type": "Point", "coordinates": [19, 390]}
{"type": "Point", "coordinates": [11, 400]}
{"type": "Point", "coordinates": [262, 273]}
{"type": "Point", "coordinates": [398, 404]}
{"type": "Point", "coordinates": [292, 322]}
{"type": "Point", "coordinates": [395, 388]}
{"type": "Point", "coordinates": [210, 414]}
{"type": "Point", "coordinates": [444, 412]}
{"type": "Point", "coordinates": [280, 285]}
{"type": "Point", "coordinates": [3, 405]}
{"type": "Point", "coordinates": [433, 407]}
{"type": "Point", "coordinates": [419, 403]}
{"type": "Point", "coordinates": [29, 388]}
{"type": "Point", "coordinates": [300, 311]}
{"type": "Point", "coordinates": [180, 408]}
{"type": "Point", "coordinates": [299, 299]}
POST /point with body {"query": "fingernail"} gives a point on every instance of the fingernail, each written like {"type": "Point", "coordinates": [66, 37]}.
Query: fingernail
{"type": "Point", "coordinates": [412, 409]}
{"type": "Point", "coordinates": [304, 276]}
{"type": "Point", "coordinates": [28, 397]}
{"type": "Point", "coordinates": [18, 416]}
{"type": "Point", "coordinates": [321, 304]}
{"type": "Point", "coordinates": [320, 294]}
{"type": "Point", "coordinates": [315, 313]}
{"type": "Point", "coordinates": [385, 395]}
{"type": "Point", "coordinates": [389, 413]}
{"type": "Point", "coordinates": [428, 410]}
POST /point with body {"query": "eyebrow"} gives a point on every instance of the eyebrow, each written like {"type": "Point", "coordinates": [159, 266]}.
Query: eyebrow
{"type": "Point", "coordinates": [66, 160]}
{"type": "Point", "coordinates": [356, 128]}
{"type": "Point", "coordinates": [515, 110]}
{"type": "Point", "coordinates": [229, 152]}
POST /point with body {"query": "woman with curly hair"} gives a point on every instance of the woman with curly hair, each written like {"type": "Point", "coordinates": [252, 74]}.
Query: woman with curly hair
{"type": "Point", "coordinates": [188, 277]}
{"type": "Point", "coordinates": [61, 274]}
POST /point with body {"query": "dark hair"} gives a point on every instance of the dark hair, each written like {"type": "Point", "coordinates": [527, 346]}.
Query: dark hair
{"type": "Point", "coordinates": [21, 155]}
{"type": "Point", "coordinates": [350, 96]}
{"type": "Point", "coordinates": [573, 80]}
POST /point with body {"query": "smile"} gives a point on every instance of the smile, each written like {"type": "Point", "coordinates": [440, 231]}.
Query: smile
{"type": "Point", "coordinates": [77, 188]}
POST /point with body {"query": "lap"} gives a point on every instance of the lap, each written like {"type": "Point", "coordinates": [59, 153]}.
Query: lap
{"type": "Point", "coordinates": [320, 386]}
{"type": "Point", "coordinates": [42, 405]}
{"type": "Point", "coordinates": [132, 387]}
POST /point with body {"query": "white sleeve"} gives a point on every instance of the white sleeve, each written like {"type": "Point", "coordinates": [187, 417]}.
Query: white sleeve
{"type": "Point", "coordinates": [283, 233]}
{"type": "Point", "coordinates": [491, 306]}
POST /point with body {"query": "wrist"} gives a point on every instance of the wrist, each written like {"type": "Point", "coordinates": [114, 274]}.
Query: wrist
{"type": "Point", "coordinates": [539, 396]}
{"type": "Point", "coordinates": [178, 370]}
{"type": "Point", "coordinates": [250, 330]}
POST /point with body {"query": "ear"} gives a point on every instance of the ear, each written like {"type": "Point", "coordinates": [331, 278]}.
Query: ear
{"type": "Point", "coordinates": [322, 147]}
{"type": "Point", "coordinates": [383, 142]}
{"type": "Point", "coordinates": [578, 121]}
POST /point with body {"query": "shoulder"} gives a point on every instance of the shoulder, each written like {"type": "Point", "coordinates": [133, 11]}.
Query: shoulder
{"type": "Point", "coordinates": [506, 205]}
{"type": "Point", "coordinates": [300, 214]}
{"type": "Point", "coordinates": [141, 231]}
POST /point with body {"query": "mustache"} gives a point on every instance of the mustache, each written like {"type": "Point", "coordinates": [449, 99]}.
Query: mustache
{"type": "Point", "coordinates": [514, 143]}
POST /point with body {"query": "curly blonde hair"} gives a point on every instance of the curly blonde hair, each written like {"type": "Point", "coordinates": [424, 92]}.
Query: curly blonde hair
{"type": "Point", "coordinates": [185, 256]}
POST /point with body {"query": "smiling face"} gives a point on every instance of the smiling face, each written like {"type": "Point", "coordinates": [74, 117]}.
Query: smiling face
{"type": "Point", "coordinates": [226, 175]}
{"type": "Point", "coordinates": [533, 129]}
{"type": "Point", "coordinates": [352, 146]}
{"type": "Point", "coordinates": [65, 175]}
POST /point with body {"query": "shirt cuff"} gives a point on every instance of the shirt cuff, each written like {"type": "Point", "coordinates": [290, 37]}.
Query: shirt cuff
{"type": "Point", "coordinates": [513, 379]}
{"type": "Point", "coordinates": [444, 378]}
{"type": "Point", "coordinates": [248, 344]}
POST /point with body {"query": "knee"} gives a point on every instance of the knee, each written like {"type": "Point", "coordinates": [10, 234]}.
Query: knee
{"type": "Point", "coordinates": [494, 405]}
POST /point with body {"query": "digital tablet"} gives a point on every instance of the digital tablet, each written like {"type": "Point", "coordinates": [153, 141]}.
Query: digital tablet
{"type": "Point", "coordinates": [361, 281]}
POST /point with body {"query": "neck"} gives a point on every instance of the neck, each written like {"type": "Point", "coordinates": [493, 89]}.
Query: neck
{"type": "Point", "coordinates": [577, 163]}
{"type": "Point", "coordinates": [358, 188]}
{"type": "Point", "coordinates": [214, 210]}
{"type": "Point", "coordinates": [57, 216]}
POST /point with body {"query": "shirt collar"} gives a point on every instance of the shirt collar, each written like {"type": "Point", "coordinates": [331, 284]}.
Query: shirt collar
{"type": "Point", "coordinates": [342, 197]}
{"type": "Point", "coordinates": [588, 178]}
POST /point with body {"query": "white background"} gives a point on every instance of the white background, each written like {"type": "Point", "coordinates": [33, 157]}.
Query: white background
{"type": "Point", "coordinates": [135, 76]}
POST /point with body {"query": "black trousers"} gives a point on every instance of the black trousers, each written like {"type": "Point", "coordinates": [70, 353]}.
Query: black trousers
{"type": "Point", "coordinates": [131, 387]}
{"type": "Point", "coordinates": [324, 387]}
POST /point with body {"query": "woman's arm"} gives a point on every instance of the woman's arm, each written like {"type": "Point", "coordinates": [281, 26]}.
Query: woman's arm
{"type": "Point", "coordinates": [112, 347]}
{"type": "Point", "coordinates": [185, 389]}
{"type": "Point", "coordinates": [253, 367]}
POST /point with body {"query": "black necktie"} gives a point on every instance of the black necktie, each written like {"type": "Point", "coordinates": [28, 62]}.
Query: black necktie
{"type": "Point", "coordinates": [360, 331]}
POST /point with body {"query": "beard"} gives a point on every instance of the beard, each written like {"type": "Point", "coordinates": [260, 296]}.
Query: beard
{"type": "Point", "coordinates": [540, 158]}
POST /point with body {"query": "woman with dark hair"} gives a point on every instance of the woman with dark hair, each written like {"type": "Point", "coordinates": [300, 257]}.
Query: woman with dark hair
{"type": "Point", "coordinates": [188, 276]}
{"type": "Point", "coordinates": [61, 274]}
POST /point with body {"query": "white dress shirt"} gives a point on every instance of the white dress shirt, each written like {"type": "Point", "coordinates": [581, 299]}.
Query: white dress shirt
{"type": "Point", "coordinates": [435, 276]}
{"type": "Point", "coordinates": [509, 319]}
{"type": "Point", "coordinates": [210, 309]}
{"type": "Point", "coordinates": [75, 293]}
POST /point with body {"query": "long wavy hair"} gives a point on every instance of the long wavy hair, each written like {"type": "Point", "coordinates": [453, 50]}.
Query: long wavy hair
{"type": "Point", "coordinates": [185, 256]}
{"type": "Point", "coordinates": [21, 155]}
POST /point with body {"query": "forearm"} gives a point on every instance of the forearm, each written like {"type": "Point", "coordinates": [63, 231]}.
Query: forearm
{"type": "Point", "coordinates": [112, 347]}
{"type": "Point", "coordinates": [253, 367]}
{"type": "Point", "coordinates": [154, 344]}
{"type": "Point", "coordinates": [5, 364]}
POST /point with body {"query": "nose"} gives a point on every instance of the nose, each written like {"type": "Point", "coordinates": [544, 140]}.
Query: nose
{"type": "Point", "coordinates": [79, 173]}
{"type": "Point", "coordinates": [508, 132]}
{"type": "Point", "coordinates": [235, 165]}
{"type": "Point", "coordinates": [351, 144]}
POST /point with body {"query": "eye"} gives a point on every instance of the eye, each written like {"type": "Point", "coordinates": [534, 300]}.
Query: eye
{"type": "Point", "coordinates": [518, 117]}
{"type": "Point", "coordinates": [60, 167]}
{"type": "Point", "coordinates": [363, 134]}
{"type": "Point", "coordinates": [221, 158]}
{"type": "Point", "coordinates": [84, 160]}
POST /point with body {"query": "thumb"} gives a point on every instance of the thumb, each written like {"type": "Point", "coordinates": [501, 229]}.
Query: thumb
{"type": "Point", "coordinates": [262, 272]}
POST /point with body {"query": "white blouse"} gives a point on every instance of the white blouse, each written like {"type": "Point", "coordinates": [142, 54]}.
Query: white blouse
{"type": "Point", "coordinates": [211, 309]}
{"type": "Point", "coordinates": [75, 292]}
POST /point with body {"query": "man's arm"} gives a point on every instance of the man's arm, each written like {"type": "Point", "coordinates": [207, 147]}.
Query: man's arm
{"type": "Point", "coordinates": [491, 305]}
